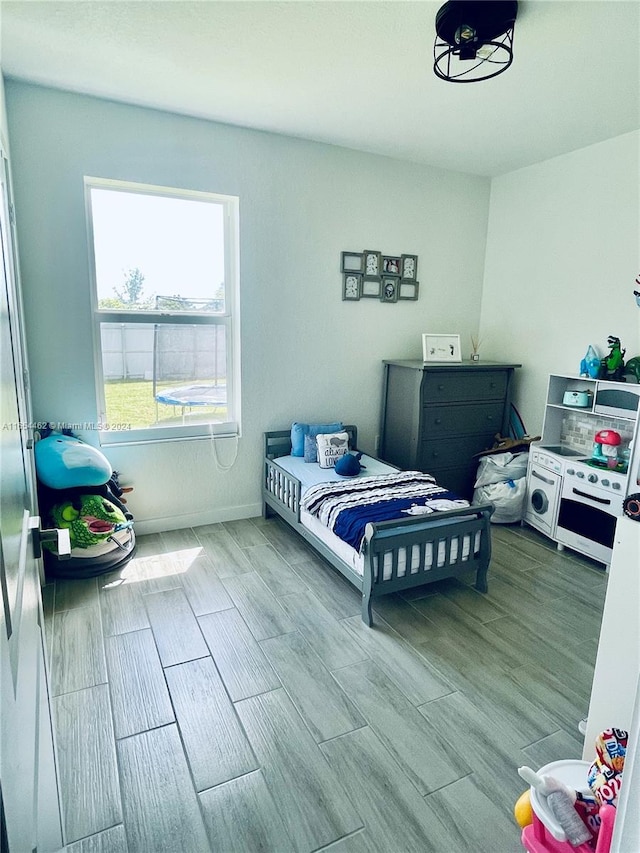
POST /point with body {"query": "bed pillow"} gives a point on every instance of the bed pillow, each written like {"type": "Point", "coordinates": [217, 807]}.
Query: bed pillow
{"type": "Point", "coordinates": [331, 446]}
{"type": "Point", "coordinates": [310, 448]}
{"type": "Point", "coordinates": [299, 430]}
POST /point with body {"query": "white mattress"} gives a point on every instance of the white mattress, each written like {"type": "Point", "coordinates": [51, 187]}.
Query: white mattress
{"type": "Point", "coordinates": [311, 474]}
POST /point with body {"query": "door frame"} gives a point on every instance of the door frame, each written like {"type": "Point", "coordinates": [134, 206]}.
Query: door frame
{"type": "Point", "coordinates": [25, 679]}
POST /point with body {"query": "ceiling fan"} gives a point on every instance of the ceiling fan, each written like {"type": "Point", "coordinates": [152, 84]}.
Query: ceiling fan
{"type": "Point", "coordinates": [474, 39]}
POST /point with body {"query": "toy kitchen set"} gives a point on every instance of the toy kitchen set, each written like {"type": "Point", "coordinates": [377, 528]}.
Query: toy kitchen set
{"type": "Point", "coordinates": [587, 461]}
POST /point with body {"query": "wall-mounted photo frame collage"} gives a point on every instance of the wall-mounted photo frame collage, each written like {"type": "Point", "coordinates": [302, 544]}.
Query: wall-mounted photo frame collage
{"type": "Point", "coordinates": [371, 275]}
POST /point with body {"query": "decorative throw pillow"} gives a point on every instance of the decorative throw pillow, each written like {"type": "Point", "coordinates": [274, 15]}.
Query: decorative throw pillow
{"type": "Point", "coordinates": [331, 446]}
{"type": "Point", "coordinates": [310, 448]}
{"type": "Point", "coordinates": [299, 430]}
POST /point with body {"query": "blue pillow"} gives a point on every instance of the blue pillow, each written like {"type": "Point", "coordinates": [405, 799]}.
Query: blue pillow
{"type": "Point", "coordinates": [310, 448]}
{"type": "Point", "coordinates": [298, 432]}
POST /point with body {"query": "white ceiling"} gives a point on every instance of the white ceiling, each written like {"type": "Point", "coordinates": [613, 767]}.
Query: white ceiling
{"type": "Point", "coordinates": [357, 74]}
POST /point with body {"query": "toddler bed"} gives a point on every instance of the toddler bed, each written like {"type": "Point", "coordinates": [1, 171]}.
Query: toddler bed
{"type": "Point", "coordinates": [381, 556]}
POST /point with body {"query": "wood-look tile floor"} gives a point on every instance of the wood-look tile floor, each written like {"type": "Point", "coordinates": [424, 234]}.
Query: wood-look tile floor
{"type": "Point", "coordinates": [222, 694]}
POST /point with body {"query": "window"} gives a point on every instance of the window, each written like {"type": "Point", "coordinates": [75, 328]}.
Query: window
{"type": "Point", "coordinates": [165, 289]}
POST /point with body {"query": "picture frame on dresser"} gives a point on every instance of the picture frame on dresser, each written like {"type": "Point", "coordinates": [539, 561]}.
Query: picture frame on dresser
{"type": "Point", "coordinates": [441, 347]}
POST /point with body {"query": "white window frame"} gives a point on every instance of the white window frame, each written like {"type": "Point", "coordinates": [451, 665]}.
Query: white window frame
{"type": "Point", "coordinates": [230, 320]}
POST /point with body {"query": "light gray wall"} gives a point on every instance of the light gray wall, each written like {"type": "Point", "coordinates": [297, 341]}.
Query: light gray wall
{"type": "Point", "coordinates": [4, 129]}
{"type": "Point", "coordinates": [563, 252]}
{"type": "Point", "coordinates": [306, 355]}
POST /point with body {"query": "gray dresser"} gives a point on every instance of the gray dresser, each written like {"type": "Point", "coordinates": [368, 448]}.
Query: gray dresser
{"type": "Point", "coordinates": [435, 417]}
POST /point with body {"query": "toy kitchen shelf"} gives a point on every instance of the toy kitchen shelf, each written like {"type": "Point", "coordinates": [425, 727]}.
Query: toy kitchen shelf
{"type": "Point", "coordinates": [597, 399]}
{"type": "Point", "coordinates": [574, 495]}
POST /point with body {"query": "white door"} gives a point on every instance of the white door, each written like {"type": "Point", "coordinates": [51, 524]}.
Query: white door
{"type": "Point", "coordinates": [29, 793]}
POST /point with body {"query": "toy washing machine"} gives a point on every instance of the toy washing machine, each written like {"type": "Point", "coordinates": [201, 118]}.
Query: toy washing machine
{"type": "Point", "coordinates": [544, 484]}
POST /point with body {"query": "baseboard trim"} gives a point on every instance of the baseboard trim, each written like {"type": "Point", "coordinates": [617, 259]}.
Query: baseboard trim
{"type": "Point", "coordinates": [195, 519]}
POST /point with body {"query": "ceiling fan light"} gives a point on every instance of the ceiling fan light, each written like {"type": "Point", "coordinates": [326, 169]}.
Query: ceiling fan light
{"type": "Point", "coordinates": [468, 30]}
{"type": "Point", "coordinates": [466, 40]}
{"type": "Point", "coordinates": [465, 34]}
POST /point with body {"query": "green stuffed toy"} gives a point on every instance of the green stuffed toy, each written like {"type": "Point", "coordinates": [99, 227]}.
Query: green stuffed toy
{"type": "Point", "coordinates": [90, 519]}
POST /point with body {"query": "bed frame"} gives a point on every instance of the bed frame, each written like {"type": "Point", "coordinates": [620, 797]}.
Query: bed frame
{"type": "Point", "coordinates": [281, 495]}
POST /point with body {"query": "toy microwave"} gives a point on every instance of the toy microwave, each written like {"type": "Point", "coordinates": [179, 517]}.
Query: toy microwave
{"type": "Point", "coordinates": [617, 400]}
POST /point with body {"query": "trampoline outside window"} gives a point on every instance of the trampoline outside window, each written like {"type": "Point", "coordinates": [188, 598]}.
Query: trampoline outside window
{"type": "Point", "coordinates": [166, 299]}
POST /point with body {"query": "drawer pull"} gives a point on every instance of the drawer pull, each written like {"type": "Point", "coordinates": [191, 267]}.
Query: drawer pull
{"type": "Point", "coordinates": [440, 387]}
{"type": "Point", "coordinates": [438, 421]}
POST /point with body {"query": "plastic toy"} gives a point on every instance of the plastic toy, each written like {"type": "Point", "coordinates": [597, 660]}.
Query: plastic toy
{"type": "Point", "coordinates": [560, 800]}
{"type": "Point", "coordinates": [502, 444]}
{"type": "Point", "coordinates": [64, 462]}
{"type": "Point", "coordinates": [605, 448]}
{"type": "Point", "coordinates": [633, 367]}
{"type": "Point", "coordinates": [631, 507]}
{"type": "Point", "coordinates": [587, 826]}
{"type": "Point", "coordinates": [522, 810]}
{"type": "Point", "coordinates": [590, 364]}
{"type": "Point", "coordinates": [536, 838]}
{"type": "Point", "coordinates": [612, 365]}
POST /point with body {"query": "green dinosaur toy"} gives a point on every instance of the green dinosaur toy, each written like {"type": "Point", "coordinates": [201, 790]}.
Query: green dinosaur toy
{"type": "Point", "coordinates": [612, 365]}
{"type": "Point", "coordinates": [90, 519]}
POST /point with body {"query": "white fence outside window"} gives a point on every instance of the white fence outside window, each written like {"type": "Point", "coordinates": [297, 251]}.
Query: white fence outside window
{"type": "Point", "coordinates": [176, 353]}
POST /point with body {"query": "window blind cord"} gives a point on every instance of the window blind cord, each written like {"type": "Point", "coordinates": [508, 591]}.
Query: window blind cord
{"type": "Point", "coordinates": [214, 451]}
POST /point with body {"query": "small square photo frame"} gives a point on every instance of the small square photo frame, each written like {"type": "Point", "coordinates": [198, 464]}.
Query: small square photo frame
{"type": "Point", "coordinates": [371, 287]}
{"type": "Point", "coordinates": [351, 286]}
{"type": "Point", "coordinates": [441, 347]}
{"type": "Point", "coordinates": [409, 267]}
{"type": "Point", "coordinates": [408, 289]}
{"type": "Point", "coordinates": [352, 262]}
{"type": "Point", "coordinates": [390, 265]}
{"type": "Point", "coordinates": [389, 288]}
{"type": "Point", "coordinates": [372, 264]}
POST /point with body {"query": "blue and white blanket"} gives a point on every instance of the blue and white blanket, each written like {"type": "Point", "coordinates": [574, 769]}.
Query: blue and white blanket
{"type": "Point", "coordinates": [346, 508]}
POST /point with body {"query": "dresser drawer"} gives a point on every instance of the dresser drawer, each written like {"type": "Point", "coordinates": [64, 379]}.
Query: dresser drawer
{"type": "Point", "coordinates": [460, 480]}
{"type": "Point", "coordinates": [449, 386]}
{"type": "Point", "coordinates": [443, 421]}
{"type": "Point", "coordinates": [443, 453]}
